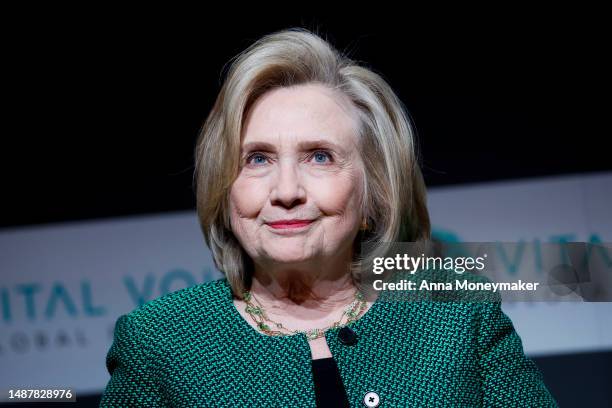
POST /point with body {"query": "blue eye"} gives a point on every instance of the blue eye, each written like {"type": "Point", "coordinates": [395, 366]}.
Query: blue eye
{"type": "Point", "coordinates": [320, 156]}
{"type": "Point", "coordinates": [257, 158]}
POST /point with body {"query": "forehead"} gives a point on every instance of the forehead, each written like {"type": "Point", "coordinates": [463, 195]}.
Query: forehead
{"type": "Point", "coordinates": [299, 113]}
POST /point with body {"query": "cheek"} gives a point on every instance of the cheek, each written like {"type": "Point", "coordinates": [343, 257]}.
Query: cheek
{"type": "Point", "coordinates": [339, 195]}
{"type": "Point", "coordinates": [247, 198]}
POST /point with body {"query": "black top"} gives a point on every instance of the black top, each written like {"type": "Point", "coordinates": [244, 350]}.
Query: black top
{"type": "Point", "coordinates": [329, 389]}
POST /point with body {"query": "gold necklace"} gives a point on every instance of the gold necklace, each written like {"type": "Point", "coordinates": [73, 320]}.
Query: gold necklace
{"type": "Point", "coordinates": [259, 316]}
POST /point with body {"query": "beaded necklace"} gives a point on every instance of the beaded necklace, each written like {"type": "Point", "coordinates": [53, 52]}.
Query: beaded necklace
{"type": "Point", "coordinates": [258, 314]}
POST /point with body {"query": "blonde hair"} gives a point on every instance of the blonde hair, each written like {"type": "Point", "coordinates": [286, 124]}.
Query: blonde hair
{"type": "Point", "coordinates": [394, 202]}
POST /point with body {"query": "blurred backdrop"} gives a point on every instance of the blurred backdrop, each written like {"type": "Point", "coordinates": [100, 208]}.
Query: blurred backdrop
{"type": "Point", "coordinates": [103, 109]}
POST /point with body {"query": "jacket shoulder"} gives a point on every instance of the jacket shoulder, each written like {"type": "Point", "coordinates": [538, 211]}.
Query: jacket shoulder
{"type": "Point", "coordinates": [180, 305]}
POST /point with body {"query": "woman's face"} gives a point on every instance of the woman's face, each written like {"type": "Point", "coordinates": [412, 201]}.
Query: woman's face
{"type": "Point", "coordinates": [297, 196]}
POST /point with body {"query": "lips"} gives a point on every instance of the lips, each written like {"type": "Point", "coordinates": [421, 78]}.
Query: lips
{"type": "Point", "coordinates": [289, 224]}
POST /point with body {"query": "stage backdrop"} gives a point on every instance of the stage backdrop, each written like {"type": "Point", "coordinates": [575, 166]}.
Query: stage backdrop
{"type": "Point", "coordinates": [63, 286]}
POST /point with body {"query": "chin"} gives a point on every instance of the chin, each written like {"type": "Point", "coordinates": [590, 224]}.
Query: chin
{"type": "Point", "coordinates": [289, 254]}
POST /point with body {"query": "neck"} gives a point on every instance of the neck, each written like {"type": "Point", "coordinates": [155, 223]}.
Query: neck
{"type": "Point", "coordinates": [325, 282]}
{"type": "Point", "coordinates": [314, 293]}
{"type": "Point", "coordinates": [325, 304]}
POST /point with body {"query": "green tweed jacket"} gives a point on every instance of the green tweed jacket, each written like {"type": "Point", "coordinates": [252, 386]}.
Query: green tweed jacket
{"type": "Point", "coordinates": [192, 348]}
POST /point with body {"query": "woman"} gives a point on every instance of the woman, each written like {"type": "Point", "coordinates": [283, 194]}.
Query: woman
{"type": "Point", "coordinates": [304, 157]}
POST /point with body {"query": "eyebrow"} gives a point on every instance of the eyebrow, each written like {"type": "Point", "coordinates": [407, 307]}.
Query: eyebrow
{"type": "Point", "coordinates": [305, 145]}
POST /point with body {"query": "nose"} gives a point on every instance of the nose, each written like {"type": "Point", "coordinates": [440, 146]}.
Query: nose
{"type": "Point", "coordinates": [288, 190]}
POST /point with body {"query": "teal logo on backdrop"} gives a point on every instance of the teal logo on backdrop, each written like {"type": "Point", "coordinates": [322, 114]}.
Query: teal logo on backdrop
{"type": "Point", "coordinates": [511, 260]}
{"type": "Point", "coordinates": [144, 290]}
{"type": "Point", "coordinates": [35, 301]}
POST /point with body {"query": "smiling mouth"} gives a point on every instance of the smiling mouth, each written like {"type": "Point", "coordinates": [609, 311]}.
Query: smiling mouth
{"type": "Point", "coordinates": [290, 224]}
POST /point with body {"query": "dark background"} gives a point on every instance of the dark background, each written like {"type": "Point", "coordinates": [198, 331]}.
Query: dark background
{"type": "Point", "coordinates": [102, 107]}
